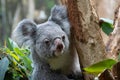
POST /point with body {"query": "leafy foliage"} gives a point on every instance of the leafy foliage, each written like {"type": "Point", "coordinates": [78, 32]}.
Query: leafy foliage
{"type": "Point", "coordinates": [18, 64]}
{"type": "Point", "coordinates": [100, 66]}
{"type": "Point", "coordinates": [106, 25]}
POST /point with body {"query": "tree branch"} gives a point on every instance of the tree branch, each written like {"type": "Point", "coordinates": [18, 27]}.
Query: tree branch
{"type": "Point", "coordinates": [113, 45]}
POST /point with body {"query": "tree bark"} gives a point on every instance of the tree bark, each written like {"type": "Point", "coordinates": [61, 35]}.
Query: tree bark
{"type": "Point", "coordinates": [85, 33]}
{"type": "Point", "coordinates": [113, 45]}
{"type": "Point", "coordinates": [116, 71]}
{"type": "Point", "coordinates": [106, 75]}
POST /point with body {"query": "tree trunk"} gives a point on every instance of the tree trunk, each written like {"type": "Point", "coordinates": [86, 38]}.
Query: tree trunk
{"type": "Point", "coordinates": [85, 33]}
{"type": "Point", "coordinates": [113, 44]}
{"type": "Point", "coordinates": [4, 23]}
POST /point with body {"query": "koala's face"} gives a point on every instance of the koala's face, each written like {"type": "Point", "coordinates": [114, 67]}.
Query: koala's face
{"type": "Point", "coordinates": [51, 41]}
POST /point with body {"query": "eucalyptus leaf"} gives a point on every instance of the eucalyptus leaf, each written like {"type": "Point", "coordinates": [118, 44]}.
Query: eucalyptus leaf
{"type": "Point", "coordinates": [11, 44]}
{"type": "Point", "coordinates": [14, 45]}
{"type": "Point", "coordinates": [106, 25]}
{"type": "Point", "coordinates": [26, 60]}
{"type": "Point", "coordinates": [15, 56]}
{"type": "Point", "coordinates": [100, 66]}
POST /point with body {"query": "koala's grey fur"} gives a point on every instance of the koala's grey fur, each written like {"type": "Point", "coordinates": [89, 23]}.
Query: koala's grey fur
{"type": "Point", "coordinates": [24, 32]}
{"type": "Point", "coordinates": [49, 44]}
{"type": "Point", "coordinates": [59, 16]}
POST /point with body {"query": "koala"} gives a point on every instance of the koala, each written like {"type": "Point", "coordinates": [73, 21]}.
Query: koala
{"type": "Point", "coordinates": [49, 45]}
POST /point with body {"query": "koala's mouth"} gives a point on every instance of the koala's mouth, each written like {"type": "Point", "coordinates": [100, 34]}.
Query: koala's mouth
{"type": "Point", "coordinates": [58, 52]}
{"type": "Point", "coordinates": [55, 53]}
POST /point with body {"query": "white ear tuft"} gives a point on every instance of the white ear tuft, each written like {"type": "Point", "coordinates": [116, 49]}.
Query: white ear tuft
{"type": "Point", "coordinates": [24, 32]}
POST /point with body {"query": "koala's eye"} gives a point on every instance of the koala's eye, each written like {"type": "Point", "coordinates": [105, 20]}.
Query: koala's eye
{"type": "Point", "coordinates": [47, 41]}
{"type": "Point", "coordinates": [63, 37]}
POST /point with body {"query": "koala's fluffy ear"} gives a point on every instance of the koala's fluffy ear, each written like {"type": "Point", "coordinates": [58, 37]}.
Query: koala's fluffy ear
{"type": "Point", "coordinates": [59, 16]}
{"type": "Point", "coordinates": [24, 33]}
{"type": "Point", "coordinates": [58, 13]}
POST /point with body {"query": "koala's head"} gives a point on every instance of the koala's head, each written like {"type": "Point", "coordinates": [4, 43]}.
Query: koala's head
{"type": "Point", "coordinates": [48, 39]}
{"type": "Point", "coordinates": [51, 40]}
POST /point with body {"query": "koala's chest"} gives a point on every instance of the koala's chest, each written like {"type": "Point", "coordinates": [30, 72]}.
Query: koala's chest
{"type": "Point", "coordinates": [62, 62]}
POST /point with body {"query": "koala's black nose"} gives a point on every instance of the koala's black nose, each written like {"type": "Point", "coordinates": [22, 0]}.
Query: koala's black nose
{"type": "Point", "coordinates": [59, 44]}
{"type": "Point", "coordinates": [59, 47]}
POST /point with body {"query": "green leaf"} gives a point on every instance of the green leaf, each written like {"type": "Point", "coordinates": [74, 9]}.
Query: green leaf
{"type": "Point", "coordinates": [26, 60]}
{"type": "Point", "coordinates": [100, 66]}
{"type": "Point", "coordinates": [11, 44]}
{"type": "Point", "coordinates": [15, 56]}
{"type": "Point", "coordinates": [106, 25]}
{"type": "Point", "coordinates": [19, 52]}
{"type": "Point", "coordinates": [4, 63]}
